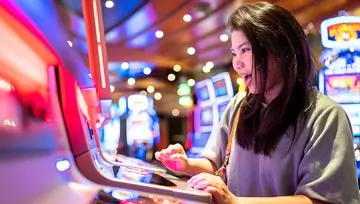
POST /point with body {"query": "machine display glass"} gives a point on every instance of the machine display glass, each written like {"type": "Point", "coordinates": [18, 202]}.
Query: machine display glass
{"type": "Point", "coordinates": [203, 93]}
{"type": "Point", "coordinates": [220, 88]}
{"type": "Point", "coordinates": [200, 139]}
{"type": "Point", "coordinates": [343, 88]}
{"type": "Point", "coordinates": [353, 112]}
{"type": "Point", "coordinates": [206, 116]}
{"type": "Point", "coordinates": [143, 176]}
{"type": "Point", "coordinates": [222, 108]}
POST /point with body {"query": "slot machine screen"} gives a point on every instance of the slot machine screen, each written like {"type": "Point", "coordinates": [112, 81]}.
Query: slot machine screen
{"type": "Point", "coordinates": [222, 108]}
{"type": "Point", "coordinates": [201, 138]}
{"type": "Point", "coordinates": [353, 112]}
{"type": "Point", "coordinates": [206, 116]}
{"type": "Point", "coordinates": [203, 93]}
{"type": "Point", "coordinates": [220, 88]}
{"type": "Point", "coordinates": [343, 88]}
{"type": "Point", "coordinates": [143, 176]}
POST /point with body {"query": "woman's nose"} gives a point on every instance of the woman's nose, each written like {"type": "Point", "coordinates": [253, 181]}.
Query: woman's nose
{"type": "Point", "coordinates": [238, 65]}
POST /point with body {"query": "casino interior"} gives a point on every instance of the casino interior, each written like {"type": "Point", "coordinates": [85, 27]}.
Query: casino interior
{"type": "Point", "coordinates": [91, 89]}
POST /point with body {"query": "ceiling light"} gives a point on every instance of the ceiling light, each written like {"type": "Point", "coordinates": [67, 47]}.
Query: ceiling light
{"type": "Point", "coordinates": [131, 81]}
{"type": "Point", "coordinates": [157, 96]}
{"type": "Point", "coordinates": [159, 34]}
{"type": "Point", "coordinates": [150, 89]}
{"type": "Point", "coordinates": [125, 65]}
{"type": "Point", "coordinates": [191, 50]}
{"type": "Point", "coordinates": [69, 43]}
{"type": "Point", "coordinates": [109, 4]}
{"type": "Point", "coordinates": [224, 37]}
{"type": "Point", "coordinates": [210, 64]}
{"type": "Point", "coordinates": [177, 68]}
{"type": "Point", "coordinates": [187, 18]}
{"type": "Point", "coordinates": [206, 69]}
{"type": "Point", "coordinates": [112, 88]}
{"type": "Point", "coordinates": [147, 70]}
{"type": "Point", "coordinates": [175, 112]}
{"type": "Point", "coordinates": [191, 82]}
{"type": "Point", "coordinates": [143, 92]}
{"type": "Point", "coordinates": [171, 77]}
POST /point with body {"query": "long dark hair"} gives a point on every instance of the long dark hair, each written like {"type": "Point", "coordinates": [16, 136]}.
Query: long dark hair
{"type": "Point", "coordinates": [277, 40]}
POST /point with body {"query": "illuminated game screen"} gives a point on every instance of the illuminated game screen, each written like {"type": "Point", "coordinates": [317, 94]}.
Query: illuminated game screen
{"type": "Point", "coordinates": [352, 31]}
{"type": "Point", "coordinates": [222, 108]}
{"type": "Point", "coordinates": [143, 176]}
{"type": "Point", "coordinates": [220, 88]}
{"type": "Point", "coordinates": [343, 88]}
{"type": "Point", "coordinates": [203, 94]}
{"type": "Point", "coordinates": [353, 112]}
{"type": "Point", "coordinates": [200, 139]}
{"type": "Point", "coordinates": [206, 116]}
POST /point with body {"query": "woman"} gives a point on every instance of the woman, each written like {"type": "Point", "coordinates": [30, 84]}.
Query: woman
{"type": "Point", "coordinates": [291, 144]}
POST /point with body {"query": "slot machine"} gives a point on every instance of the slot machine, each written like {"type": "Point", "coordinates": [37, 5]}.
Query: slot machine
{"type": "Point", "coordinates": [204, 115]}
{"type": "Point", "coordinates": [340, 76]}
{"type": "Point", "coordinates": [142, 127]}
{"type": "Point", "coordinates": [213, 95]}
{"type": "Point", "coordinates": [49, 140]}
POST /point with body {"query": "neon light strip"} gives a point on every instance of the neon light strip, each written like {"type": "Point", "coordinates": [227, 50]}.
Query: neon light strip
{"type": "Point", "coordinates": [96, 19]}
{"type": "Point", "coordinates": [101, 60]}
{"type": "Point", "coordinates": [102, 72]}
{"type": "Point", "coordinates": [82, 104]}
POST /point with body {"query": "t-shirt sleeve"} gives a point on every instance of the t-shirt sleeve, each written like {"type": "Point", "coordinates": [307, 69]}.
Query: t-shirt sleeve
{"type": "Point", "coordinates": [216, 145]}
{"type": "Point", "coordinates": [327, 171]}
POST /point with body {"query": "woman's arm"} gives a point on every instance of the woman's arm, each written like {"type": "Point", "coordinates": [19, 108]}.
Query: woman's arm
{"type": "Point", "coordinates": [199, 165]}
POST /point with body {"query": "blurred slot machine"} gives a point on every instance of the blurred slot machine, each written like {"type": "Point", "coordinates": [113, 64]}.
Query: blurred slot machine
{"type": "Point", "coordinates": [142, 127]}
{"type": "Point", "coordinates": [224, 91]}
{"type": "Point", "coordinates": [123, 181]}
{"type": "Point", "coordinates": [110, 131]}
{"type": "Point", "coordinates": [340, 77]}
{"type": "Point", "coordinates": [213, 96]}
{"type": "Point", "coordinates": [204, 116]}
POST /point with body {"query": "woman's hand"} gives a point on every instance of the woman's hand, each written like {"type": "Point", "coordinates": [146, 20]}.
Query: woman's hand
{"type": "Point", "coordinates": [174, 158]}
{"type": "Point", "coordinates": [213, 185]}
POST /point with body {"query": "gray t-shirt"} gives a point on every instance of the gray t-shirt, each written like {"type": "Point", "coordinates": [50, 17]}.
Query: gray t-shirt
{"type": "Point", "coordinates": [320, 165]}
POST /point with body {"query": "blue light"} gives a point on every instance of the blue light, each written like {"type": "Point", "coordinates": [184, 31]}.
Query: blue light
{"type": "Point", "coordinates": [140, 19]}
{"type": "Point", "coordinates": [135, 68]}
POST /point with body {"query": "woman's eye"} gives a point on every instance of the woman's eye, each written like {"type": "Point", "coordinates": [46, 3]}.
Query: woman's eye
{"type": "Point", "coordinates": [233, 54]}
{"type": "Point", "coordinates": [243, 50]}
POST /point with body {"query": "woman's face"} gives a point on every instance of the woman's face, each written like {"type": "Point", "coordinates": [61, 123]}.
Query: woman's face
{"type": "Point", "coordinates": [243, 64]}
{"type": "Point", "coordinates": [242, 60]}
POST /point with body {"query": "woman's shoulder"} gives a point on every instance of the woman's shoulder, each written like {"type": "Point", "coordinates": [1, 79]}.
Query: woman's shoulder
{"type": "Point", "coordinates": [322, 103]}
{"type": "Point", "coordinates": [322, 108]}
